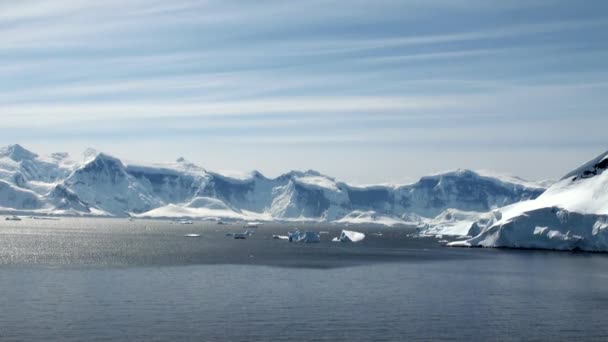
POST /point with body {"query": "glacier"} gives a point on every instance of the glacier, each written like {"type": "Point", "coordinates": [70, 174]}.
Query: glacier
{"type": "Point", "coordinates": [571, 215]}
{"type": "Point", "coordinates": [99, 184]}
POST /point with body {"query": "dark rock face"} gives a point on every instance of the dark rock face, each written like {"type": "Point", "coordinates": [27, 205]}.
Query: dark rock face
{"type": "Point", "coordinates": [170, 186]}
{"type": "Point", "coordinates": [20, 180]}
{"type": "Point", "coordinates": [378, 199]}
{"type": "Point", "coordinates": [312, 202]}
{"type": "Point", "coordinates": [102, 168]}
{"type": "Point", "coordinates": [65, 199]}
{"type": "Point", "coordinates": [233, 192]}
{"type": "Point", "coordinates": [590, 169]}
{"type": "Point", "coordinates": [595, 170]}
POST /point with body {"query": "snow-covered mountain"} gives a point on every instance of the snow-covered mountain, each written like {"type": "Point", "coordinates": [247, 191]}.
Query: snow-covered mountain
{"type": "Point", "coordinates": [99, 184]}
{"type": "Point", "coordinates": [571, 214]}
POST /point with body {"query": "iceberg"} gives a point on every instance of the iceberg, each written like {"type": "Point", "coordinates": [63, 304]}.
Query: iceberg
{"type": "Point", "coordinates": [253, 225]}
{"type": "Point", "coordinates": [349, 236]}
{"type": "Point", "coordinates": [306, 237]}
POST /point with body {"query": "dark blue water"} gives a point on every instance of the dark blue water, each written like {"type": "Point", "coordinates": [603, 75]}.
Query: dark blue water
{"type": "Point", "coordinates": [79, 279]}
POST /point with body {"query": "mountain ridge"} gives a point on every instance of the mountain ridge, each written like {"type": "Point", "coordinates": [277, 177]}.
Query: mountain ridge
{"type": "Point", "coordinates": [101, 184]}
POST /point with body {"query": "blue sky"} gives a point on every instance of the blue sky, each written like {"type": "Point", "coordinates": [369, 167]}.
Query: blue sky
{"type": "Point", "coordinates": [366, 91]}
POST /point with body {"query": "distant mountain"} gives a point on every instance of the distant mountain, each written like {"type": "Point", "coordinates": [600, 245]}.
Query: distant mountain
{"type": "Point", "coordinates": [99, 184]}
{"type": "Point", "coordinates": [571, 214]}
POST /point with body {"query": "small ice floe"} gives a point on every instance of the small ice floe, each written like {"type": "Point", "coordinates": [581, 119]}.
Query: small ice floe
{"type": "Point", "coordinates": [377, 234]}
{"type": "Point", "coordinates": [306, 237]}
{"type": "Point", "coordinates": [280, 237]}
{"type": "Point", "coordinates": [44, 218]}
{"type": "Point", "coordinates": [443, 242]}
{"type": "Point", "coordinates": [185, 222]}
{"type": "Point", "coordinates": [192, 235]}
{"type": "Point", "coordinates": [240, 236]}
{"type": "Point", "coordinates": [349, 236]}
{"type": "Point", "coordinates": [249, 232]}
{"type": "Point", "coordinates": [250, 225]}
{"type": "Point", "coordinates": [13, 218]}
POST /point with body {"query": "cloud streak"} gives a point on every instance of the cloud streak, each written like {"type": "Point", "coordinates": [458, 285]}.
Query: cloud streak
{"type": "Point", "coordinates": [397, 75]}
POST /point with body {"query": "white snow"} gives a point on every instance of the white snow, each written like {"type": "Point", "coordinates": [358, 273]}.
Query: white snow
{"type": "Point", "coordinates": [208, 203]}
{"type": "Point", "coordinates": [454, 222]}
{"type": "Point", "coordinates": [350, 236]}
{"type": "Point", "coordinates": [507, 178]}
{"type": "Point", "coordinates": [370, 217]}
{"type": "Point", "coordinates": [571, 214]}
{"type": "Point", "coordinates": [318, 181]}
{"type": "Point", "coordinates": [177, 211]}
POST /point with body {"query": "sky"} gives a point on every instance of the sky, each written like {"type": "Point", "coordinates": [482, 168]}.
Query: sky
{"type": "Point", "coordinates": [379, 91]}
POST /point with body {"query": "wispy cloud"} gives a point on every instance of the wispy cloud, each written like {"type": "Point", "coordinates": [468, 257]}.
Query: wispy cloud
{"type": "Point", "coordinates": [386, 73]}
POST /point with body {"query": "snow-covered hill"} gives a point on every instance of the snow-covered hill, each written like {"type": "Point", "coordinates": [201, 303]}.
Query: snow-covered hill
{"type": "Point", "coordinates": [99, 184]}
{"type": "Point", "coordinates": [571, 214]}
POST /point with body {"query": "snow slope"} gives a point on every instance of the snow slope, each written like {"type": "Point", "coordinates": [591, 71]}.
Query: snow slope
{"type": "Point", "coordinates": [571, 214]}
{"type": "Point", "coordinates": [13, 197]}
{"type": "Point", "coordinates": [455, 222]}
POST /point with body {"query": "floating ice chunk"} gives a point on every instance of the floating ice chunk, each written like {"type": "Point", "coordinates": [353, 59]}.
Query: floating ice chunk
{"type": "Point", "coordinates": [240, 236]}
{"type": "Point", "coordinates": [540, 230]}
{"type": "Point", "coordinates": [307, 237]}
{"type": "Point", "coordinates": [192, 235]}
{"type": "Point", "coordinates": [350, 236]}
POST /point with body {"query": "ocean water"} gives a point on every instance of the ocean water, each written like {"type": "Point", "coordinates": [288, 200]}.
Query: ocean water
{"type": "Point", "coordinates": [115, 280]}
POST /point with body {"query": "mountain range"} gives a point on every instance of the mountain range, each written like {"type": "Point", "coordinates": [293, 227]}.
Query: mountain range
{"type": "Point", "coordinates": [479, 209]}
{"type": "Point", "coordinates": [98, 184]}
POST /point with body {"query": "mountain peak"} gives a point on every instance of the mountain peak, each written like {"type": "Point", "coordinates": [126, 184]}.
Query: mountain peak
{"type": "Point", "coordinates": [89, 154]}
{"type": "Point", "coordinates": [104, 156]}
{"type": "Point", "coordinates": [102, 161]}
{"type": "Point", "coordinates": [255, 174]}
{"type": "Point", "coordinates": [307, 173]}
{"type": "Point", "coordinates": [17, 153]}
